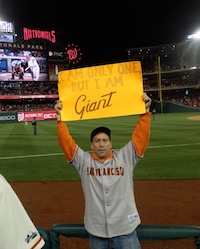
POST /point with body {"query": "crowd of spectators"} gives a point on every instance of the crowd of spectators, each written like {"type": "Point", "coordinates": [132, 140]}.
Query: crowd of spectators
{"type": "Point", "coordinates": [185, 100]}
{"type": "Point", "coordinates": [173, 82]}
{"type": "Point", "coordinates": [29, 90]}
{"type": "Point", "coordinates": [150, 84]}
{"type": "Point", "coordinates": [191, 98]}
{"type": "Point", "coordinates": [4, 107]}
{"type": "Point", "coordinates": [28, 105]}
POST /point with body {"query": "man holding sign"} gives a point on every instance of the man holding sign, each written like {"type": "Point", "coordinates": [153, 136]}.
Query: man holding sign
{"type": "Point", "coordinates": [111, 216]}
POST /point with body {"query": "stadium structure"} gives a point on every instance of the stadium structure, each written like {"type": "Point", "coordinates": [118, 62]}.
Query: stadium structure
{"type": "Point", "coordinates": [171, 74]}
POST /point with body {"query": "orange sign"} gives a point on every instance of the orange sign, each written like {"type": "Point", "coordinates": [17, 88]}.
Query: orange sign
{"type": "Point", "coordinates": [102, 91]}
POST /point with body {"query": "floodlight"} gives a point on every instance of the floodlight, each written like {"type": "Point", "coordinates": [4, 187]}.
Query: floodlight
{"type": "Point", "coordinates": [194, 36]}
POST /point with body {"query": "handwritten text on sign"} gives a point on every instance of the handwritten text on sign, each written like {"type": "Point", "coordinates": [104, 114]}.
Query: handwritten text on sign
{"type": "Point", "coordinates": [101, 91]}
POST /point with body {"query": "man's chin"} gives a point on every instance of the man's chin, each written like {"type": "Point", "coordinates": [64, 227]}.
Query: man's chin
{"type": "Point", "coordinates": [102, 155]}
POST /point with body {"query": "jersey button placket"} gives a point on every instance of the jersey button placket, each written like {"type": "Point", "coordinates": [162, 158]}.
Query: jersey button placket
{"type": "Point", "coordinates": [106, 198]}
{"type": "Point", "coordinates": [107, 206]}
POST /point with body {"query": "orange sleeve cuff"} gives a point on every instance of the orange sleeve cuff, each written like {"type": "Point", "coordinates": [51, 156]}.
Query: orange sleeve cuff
{"type": "Point", "coordinates": [65, 140]}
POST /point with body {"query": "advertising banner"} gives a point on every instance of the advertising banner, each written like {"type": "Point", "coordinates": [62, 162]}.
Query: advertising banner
{"type": "Point", "coordinates": [55, 56]}
{"type": "Point", "coordinates": [8, 117]}
{"type": "Point", "coordinates": [39, 115]}
{"type": "Point", "coordinates": [29, 96]}
{"type": "Point", "coordinates": [102, 91]}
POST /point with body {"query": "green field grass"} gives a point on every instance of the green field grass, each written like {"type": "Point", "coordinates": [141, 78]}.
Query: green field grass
{"type": "Point", "coordinates": [173, 151]}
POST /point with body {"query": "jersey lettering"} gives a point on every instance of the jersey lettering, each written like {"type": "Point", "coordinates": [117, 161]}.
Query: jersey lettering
{"type": "Point", "coordinates": [105, 171]}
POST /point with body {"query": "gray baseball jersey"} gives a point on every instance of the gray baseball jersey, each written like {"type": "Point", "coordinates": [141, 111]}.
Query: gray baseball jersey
{"type": "Point", "coordinates": [110, 208]}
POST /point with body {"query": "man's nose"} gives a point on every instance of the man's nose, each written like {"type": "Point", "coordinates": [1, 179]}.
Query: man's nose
{"type": "Point", "coordinates": [101, 143]}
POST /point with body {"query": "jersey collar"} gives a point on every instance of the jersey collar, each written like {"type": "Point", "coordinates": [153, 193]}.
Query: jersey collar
{"type": "Point", "coordinates": [102, 159]}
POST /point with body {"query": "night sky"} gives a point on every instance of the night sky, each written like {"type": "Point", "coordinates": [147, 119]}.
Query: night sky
{"type": "Point", "coordinates": [105, 29]}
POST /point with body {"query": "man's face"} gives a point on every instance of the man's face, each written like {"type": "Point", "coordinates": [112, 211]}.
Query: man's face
{"type": "Point", "coordinates": [101, 145]}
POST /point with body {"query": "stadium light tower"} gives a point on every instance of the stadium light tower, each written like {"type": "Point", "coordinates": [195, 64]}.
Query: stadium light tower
{"type": "Point", "coordinates": [194, 36]}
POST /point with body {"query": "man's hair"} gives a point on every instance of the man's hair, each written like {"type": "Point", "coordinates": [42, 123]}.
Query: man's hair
{"type": "Point", "coordinates": [99, 130]}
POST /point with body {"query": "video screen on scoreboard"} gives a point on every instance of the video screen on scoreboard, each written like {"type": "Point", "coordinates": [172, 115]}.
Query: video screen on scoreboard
{"type": "Point", "coordinates": [22, 65]}
{"type": "Point", "coordinates": [6, 38]}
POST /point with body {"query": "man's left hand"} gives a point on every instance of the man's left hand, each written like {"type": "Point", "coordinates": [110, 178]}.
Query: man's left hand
{"type": "Point", "coordinates": [147, 101]}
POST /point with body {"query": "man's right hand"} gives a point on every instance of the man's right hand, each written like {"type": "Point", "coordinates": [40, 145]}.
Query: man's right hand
{"type": "Point", "coordinates": [58, 106]}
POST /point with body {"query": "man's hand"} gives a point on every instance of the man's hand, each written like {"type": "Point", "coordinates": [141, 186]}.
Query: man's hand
{"type": "Point", "coordinates": [58, 106]}
{"type": "Point", "coordinates": [147, 101]}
